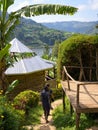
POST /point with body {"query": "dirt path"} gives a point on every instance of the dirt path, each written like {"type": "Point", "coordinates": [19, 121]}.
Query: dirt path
{"type": "Point", "coordinates": [48, 126]}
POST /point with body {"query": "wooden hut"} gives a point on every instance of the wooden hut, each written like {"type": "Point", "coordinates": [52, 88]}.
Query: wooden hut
{"type": "Point", "coordinates": [31, 72]}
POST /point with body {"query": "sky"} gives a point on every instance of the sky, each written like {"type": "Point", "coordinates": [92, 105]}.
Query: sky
{"type": "Point", "coordinates": [87, 10]}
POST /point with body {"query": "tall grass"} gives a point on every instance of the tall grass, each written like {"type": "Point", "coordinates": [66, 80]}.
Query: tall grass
{"type": "Point", "coordinates": [34, 116]}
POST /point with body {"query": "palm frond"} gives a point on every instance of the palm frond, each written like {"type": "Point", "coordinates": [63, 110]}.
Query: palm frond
{"type": "Point", "coordinates": [40, 9]}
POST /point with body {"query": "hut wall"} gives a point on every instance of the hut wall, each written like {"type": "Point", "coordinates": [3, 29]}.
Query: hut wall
{"type": "Point", "coordinates": [33, 81]}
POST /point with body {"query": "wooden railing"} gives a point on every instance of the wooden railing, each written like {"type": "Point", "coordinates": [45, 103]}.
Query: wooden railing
{"type": "Point", "coordinates": [83, 71]}
{"type": "Point", "coordinates": [80, 95]}
{"type": "Point", "coordinates": [78, 84]}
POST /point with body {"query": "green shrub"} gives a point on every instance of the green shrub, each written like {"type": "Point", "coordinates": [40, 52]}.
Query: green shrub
{"type": "Point", "coordinates": [10, 118]}
{"type": "Point", "coordinates": [78, 50]}
{"type": "Point", "coordinates": [66, 121]}
{"type": "Point", "coordinates": [26, 99]}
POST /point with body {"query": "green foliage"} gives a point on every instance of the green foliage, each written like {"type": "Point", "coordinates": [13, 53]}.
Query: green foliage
{"type": "Point", "coordinates": [76, 42]}
{"type": "Point", "coordinates": [34, 116]}
{"type": "Point", "coordinates": [63, 120]}
{"type": "Point", "coordinates": [66, 121]}
{"type": "Point", "coordinates": [5, 4]}
{"type": "Point", "coordinates": [11, 86]}
{"type": "Point", "coordinates": [39, 9]}
{"type": "Point", "coordinates": [34, 34]}
{"type": "Point", "coordinates": [57, 93]}
{"type": "Point", "coordinates": [45, 56]}
{"type": "Point", "coordinates": [55, 49]}
{"type": "Point", "coordinates": [4, 51]}
{"type": "Point", "coordinates": [76, 47]}
{"type": "Point", "coordinates": [26, 100]}
{"type": "Point", "coordinates": [46, 50]}
{"type": "Point", "coordinates": [10, 119]}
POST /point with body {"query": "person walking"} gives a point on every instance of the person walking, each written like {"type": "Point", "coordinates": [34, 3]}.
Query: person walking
{"type": "Point", "coordinates": [45, 98]}
{"type": "Point", "coordinates": [51, 97]}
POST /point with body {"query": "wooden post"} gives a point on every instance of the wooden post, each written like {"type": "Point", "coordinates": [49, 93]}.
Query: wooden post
{"type": "Point", "coordinates": [77, 114]}
{"type": "Point", "coordinates": [97, 64]}
{"type": "Point", "coordinates": [77, 120]}
{"type": "Point", "coordinates": [63, 75]}
{"type": "Point", "coordinates": [71, 109]}
{"type": "Point", "coordinates": [68, 82]}
{"type": "Point", "coordinates": [78, 88]}
{"type": "Point", "coordinates": [63, 101]}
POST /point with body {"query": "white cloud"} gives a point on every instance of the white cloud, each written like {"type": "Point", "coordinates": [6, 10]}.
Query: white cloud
{"type": "Point", "coordinates": [82, 7]}
{"type": "Point", "coordinates": [18, 5]}
{"type": "Point", "coordinates": [93, 4]}
{"type": "Point", "coordinates": [90, 5]}
{"type": "Point", "coordinates": [38, 1]}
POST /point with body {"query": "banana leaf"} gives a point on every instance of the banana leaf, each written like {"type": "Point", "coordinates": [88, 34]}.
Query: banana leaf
{"type": "Point", "coordinates": [12, 86]}
{"type": "Point", "coordinates": [4, 51]}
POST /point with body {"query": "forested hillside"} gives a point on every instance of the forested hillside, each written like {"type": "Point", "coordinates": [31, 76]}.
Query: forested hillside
{"type": "Point", "coordinates": [34, 34]}
{"type": "Point", "coordinates": [74, 26]}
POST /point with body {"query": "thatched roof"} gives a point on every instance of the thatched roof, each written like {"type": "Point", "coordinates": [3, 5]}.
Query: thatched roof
{"type": "Point", "coordinates": [17, 46]}
{"type": "Point", "coordinates": [29, 65]}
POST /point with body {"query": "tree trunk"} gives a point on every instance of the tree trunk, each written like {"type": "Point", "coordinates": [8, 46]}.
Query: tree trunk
{"type": "Point", "coordinates": [3, 81]}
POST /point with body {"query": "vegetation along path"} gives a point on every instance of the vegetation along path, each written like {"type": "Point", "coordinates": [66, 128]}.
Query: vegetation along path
{"type": "Point", "coordinates": [43, 125]}
{"type": "Point", "coordinates": [48, 126]}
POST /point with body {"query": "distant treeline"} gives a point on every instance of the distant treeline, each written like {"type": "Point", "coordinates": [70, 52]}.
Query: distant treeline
{"type": "Point", "coordinates": [74, 26]}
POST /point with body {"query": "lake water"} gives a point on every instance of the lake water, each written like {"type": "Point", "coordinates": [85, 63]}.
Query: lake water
{"type": "Point", "coordinates": [39, 51]}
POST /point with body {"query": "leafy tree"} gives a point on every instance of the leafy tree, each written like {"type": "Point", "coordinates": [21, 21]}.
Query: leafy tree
{"type": "Point", "coordinates": [82, 51]}
{"type": "Point", "coordinates": [8, 23]}
{"type": "Point", "coordinates": [46, 53]}
{"type": "Point", "coordinates": [55, 49]}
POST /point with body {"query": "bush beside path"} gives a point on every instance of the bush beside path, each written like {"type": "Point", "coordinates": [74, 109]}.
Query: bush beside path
{"type": "Point", "coordinates": [48, 126]}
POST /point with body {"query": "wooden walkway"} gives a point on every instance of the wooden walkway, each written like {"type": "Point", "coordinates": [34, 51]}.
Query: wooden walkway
{"type": "Point", "coordinates": [83, 96]}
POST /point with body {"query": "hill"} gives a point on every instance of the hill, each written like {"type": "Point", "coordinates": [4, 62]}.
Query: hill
{"type": "Point", "coordinates": [74, 26]}
{"type": "Point", "coordinates": [37, 35]}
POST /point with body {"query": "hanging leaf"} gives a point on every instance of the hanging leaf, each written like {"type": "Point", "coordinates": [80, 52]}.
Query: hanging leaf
{"type": "Point", "coordinates": [4, 51]}
{"type": "Point", "coordinates": [12, 86]}
{"type": "Point", "coordinates": [39, 9]}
